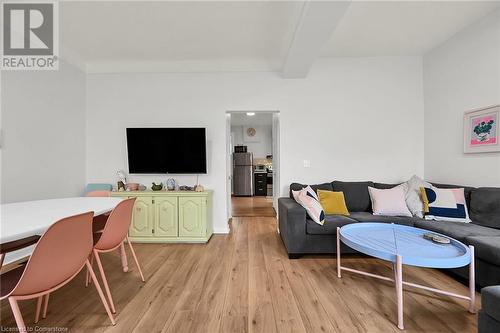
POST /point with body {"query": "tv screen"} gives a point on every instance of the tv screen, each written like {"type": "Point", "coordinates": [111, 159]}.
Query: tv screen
{"type": "Point", "coordinates": [166, 150]}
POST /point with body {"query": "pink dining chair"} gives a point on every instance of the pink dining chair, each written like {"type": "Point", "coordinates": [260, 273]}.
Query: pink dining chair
{"type": "Point", "coordinates": [60, 254]}
{"type": "Point", "coordinates": [100, 222]}
{"type": "Point", "coordinates": [113, 236]}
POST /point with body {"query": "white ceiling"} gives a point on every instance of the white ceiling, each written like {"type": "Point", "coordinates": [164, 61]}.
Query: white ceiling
{"type": "Point", "coordinates": [259, 119]}
{"type": "Point", "coordinates": [201, 36]}
{"type": "Point", "coordinates": [377, 28]}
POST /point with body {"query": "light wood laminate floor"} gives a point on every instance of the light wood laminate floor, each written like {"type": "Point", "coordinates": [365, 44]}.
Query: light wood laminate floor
{"type": "Point", "coordinates": [252, 206]}
{"type": "Point", "coordinates": [244, 282]}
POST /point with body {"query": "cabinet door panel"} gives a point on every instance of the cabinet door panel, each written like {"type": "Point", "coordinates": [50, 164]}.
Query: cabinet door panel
{"type": "Point", "coordinates": [166, 217]}
{"type": "Point", "coordinates": [141, 218]}
{"type": "Point", "coordinates": [191, 222]}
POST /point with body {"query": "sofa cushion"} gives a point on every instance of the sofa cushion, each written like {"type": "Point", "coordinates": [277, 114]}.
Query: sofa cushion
{"type": "Point", "coordinates": [356, 195]}
{"type": "Point", "coordinates": [316, 187]}
{"type": "Point", "coordinates": [486, 248]}
{"type": "Point", "coordinates": [384, 186]}
{"type": "Point", "coordinates": [369, 217]}
{"type": "Point", "coordinates": [490, 299]}
{"type": "Point", "coordinates": [485, 207]}
{"type": "Point", "coordinates": [330, 225]}
{"type": "Point", "coordinates": [457, 230]}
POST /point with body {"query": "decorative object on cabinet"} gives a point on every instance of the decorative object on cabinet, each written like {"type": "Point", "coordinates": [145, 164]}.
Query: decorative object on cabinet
{"type": "Point", "coordinates": [481, 130]}
{"type": "Point", "coordinates": [157, 187]}
{"type": "Point", "coordinates": [133, 186]}
{"type": "Point", "coordinates": [122, 176]}
{"type": "Point", "coordinates": [186, 188]}
{"type": "Point", "coordinates": [171, 184]}
{"type": "Point", "coordinates": [198, 187]}
{"type": "Point", "coordinates": [121, 186]}
{"type": "Point", "coordinates": [175, 216]}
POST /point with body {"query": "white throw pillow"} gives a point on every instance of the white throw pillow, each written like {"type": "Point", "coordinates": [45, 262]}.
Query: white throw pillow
{"type": "Point", "coordinates": [390, 202]}
{"type": "Point", "coordinates": [312, 206]}
{"type": "Point", "coordinates": [413, 196]}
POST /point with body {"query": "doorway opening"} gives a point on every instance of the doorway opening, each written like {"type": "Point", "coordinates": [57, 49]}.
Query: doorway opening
{"type": "Point", "coordinates": [252, 153]}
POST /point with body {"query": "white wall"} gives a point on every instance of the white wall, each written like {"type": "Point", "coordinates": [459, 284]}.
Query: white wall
{"type": "Point", "coordinates": [460, 75]}
{"type": "Point", "coordinates": [260, 148]}
{"type": "Point", "coordinates": [353, 118]}
{"type": "Point", "coordinates": [43, 128]}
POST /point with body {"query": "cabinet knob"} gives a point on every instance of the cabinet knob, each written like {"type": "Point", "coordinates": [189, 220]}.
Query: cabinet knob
{"type": "Point", "coordinates": [138, 209]}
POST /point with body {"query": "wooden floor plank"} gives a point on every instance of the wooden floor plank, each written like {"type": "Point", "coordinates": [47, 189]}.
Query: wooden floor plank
{"type": "Point", "coordinates": [286, 311]}
{"type": "Point", "coordinates": [235, 312]}
{"type": "Point", "coordinates": [260, 307]}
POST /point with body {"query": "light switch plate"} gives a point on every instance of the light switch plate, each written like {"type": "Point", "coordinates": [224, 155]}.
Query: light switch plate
{"type": "Point", "coordinates": [307, 163]}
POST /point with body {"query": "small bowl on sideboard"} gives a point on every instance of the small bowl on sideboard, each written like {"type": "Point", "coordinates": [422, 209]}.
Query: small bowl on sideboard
{"type": "Point", "coordinates": [133, 186]}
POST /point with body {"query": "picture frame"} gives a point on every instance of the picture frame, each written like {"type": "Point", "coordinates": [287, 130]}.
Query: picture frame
{"type": "Point", "coordinates": [482, 130]}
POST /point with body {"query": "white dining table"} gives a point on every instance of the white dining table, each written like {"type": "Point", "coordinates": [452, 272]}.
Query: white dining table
{"type": "Point", "coordinates": [29, 218]}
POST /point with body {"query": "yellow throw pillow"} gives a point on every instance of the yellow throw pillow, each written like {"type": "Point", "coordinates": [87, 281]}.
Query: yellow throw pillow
{"type": "Point", "coordinates": [333, 202]}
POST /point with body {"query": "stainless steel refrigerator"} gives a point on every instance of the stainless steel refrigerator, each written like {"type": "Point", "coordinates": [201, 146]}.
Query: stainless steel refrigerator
{"type": "Point", "coordinates": [243, 174]}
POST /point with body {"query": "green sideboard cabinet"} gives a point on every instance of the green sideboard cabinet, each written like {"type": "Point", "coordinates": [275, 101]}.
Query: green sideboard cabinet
{"type": "Point", "coordinates": [170, 216]}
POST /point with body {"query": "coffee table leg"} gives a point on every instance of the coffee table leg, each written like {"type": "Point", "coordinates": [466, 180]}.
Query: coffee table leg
{"type": "Point", "coordinates": [472, 282]}
{"type": "Point", "coordinates": [339, 275]}
{"type": "Point", "coordinates": [398, 275]}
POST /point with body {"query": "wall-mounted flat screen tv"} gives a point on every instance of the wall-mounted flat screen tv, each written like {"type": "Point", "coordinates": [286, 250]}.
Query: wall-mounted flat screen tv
{"type": "Point", "coordinates": [166, 150]}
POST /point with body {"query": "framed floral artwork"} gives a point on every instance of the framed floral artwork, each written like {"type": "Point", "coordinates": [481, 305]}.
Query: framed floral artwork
{"type": "Point", "coordinates": [481, 130]}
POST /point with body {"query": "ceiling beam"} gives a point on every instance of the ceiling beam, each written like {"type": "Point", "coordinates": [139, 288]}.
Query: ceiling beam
{"type": "Point", "coordinates": [316, 25]}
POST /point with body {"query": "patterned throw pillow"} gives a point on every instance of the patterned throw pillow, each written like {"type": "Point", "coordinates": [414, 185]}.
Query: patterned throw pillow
{"type": "Point", "coordinates": [307, 198]}
{"type": "Point", "coordinates": [442, 204]}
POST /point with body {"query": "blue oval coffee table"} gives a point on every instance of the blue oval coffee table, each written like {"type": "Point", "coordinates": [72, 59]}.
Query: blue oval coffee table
{"type": "Point", "coordinates": [403, 245]}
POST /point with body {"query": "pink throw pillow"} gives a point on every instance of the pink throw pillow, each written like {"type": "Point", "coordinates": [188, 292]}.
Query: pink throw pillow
{"type": "Point", "coordinates": [390, 202]}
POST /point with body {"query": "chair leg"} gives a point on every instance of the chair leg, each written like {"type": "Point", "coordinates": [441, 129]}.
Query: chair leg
{"type": "Point", "coordinates": [104, 281]}
{"type": "Point", "coordinates": [124, 257]}
{"type": "Point", "coordinates": [38, 308]}
{"type": "Point", "coordinates": [17, 314]}
{"type": "Point", "coordinates": [99, 291]}
{"type": "Point", "coordinates": [135, 259]}
{"type": "Point", "coordinates": [45, 306]}
{"type": "Point", "coordinates": [87, 275]}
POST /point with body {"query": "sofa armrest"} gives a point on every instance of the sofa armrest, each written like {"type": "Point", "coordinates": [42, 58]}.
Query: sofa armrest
{"type": "Point", "coordinates": [292, 223]}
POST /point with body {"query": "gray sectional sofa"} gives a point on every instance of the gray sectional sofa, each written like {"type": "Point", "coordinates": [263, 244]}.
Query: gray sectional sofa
{"type": "Point", "coordinates": [489, 316]}
{"type": "Point", "coordinates": [301, 235]}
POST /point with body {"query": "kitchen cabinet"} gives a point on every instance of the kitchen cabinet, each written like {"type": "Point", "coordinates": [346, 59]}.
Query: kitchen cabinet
{"type": "Point", "coordinates": [260, 183]}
